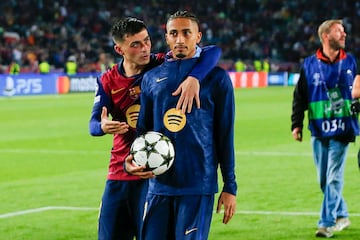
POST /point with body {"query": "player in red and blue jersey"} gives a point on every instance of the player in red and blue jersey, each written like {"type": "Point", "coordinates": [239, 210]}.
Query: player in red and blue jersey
{"type": "Point", "coordinates": [117, 94]}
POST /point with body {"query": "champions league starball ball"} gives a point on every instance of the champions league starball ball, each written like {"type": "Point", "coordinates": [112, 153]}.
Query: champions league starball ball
{"type": "Point", "coordinates": [154, 151]}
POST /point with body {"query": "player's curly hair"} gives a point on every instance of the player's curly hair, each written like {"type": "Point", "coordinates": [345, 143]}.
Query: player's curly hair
{"type": "Point", "coordinates": [126, 26]}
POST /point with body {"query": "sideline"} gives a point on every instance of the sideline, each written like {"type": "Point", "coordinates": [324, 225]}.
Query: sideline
{"type": "Point", "coordinates": [87, 152]}
{"type": "Point", "coordinates": [42, 209]}
{"type": "Point", "coordinates": [51, 208]}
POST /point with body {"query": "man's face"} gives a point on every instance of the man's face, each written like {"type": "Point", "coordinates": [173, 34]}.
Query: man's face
{"type": "Point", "coordinates": [136, 48]}
{"type": "Point", "coordinates": [337, 37]}
{"type": "Point", "coordinates": [182, 36]}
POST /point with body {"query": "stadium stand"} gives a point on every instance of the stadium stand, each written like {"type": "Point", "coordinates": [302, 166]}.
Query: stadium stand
{"type": "Point", "coordinates": [281, 31]}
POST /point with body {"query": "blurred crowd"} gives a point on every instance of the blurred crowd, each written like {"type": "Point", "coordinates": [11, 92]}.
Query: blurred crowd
{"type": "Point", "coordinates": [280, 32]}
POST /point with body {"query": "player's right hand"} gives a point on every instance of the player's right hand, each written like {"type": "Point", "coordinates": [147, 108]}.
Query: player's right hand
{"type": "Point", "coordinates": [112, 127]}
{"type": "Point", "coordinates": [189, 92]}
{"type": "Point", "coordinates": [297, 134]}
{"type": "Point", "coordinates": [133, 169]}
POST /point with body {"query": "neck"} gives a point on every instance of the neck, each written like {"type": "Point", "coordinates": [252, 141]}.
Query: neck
{"type": "Point", "coordinates": [132, 69]}
{"type": "Point", "coordinates": [330, 52]}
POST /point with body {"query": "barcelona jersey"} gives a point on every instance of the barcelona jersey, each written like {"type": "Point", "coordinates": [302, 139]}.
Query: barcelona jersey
{"type": "Point", "coordinates": [120, 95]}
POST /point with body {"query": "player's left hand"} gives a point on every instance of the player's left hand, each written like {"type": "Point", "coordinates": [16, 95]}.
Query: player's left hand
{"type": "Point", "coordinates": [189, 90]}
{"type": "Point", "coordinates": [133, 169]}
{"type": "Point", "coordinates": [229, 202]}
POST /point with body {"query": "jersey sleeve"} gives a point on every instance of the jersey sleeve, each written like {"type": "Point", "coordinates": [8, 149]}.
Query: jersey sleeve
{"type": "Point", "coordinates": [224, 130]}
{"type": "Point", "coordinates": [208, 59]}
{"type": "Point", "coordinates": [299, 103]}
{"type": "Point", "coordinates": [101, 100]}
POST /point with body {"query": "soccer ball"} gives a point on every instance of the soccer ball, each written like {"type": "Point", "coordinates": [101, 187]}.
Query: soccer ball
{"type": "Point", "coordinates": [153, 150]}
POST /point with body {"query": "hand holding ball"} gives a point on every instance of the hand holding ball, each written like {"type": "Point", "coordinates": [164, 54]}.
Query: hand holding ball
{"type": "Point", "coordinates": [154, 151]}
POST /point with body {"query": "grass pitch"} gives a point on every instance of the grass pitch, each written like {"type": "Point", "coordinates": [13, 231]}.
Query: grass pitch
{"type": "Point", "coordinates": [53, 172]}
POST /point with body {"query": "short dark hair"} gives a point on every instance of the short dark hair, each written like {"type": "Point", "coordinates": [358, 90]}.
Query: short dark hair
{"type": "Point", "coordinates": [184, 14]}
{"type": "Point", "coordinates": [126, 26]}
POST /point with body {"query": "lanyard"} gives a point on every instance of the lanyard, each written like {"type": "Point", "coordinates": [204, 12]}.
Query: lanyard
{"type": "Point", "coordinates": [322, 76]}
{"type": "Point", "coordinates": [334, 94]}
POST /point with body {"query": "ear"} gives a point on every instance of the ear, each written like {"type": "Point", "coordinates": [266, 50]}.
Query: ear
{"type": "Point", "coordinates": [117, 49]}
{"type": "Point", "coordinates": [199, 37]}
{"type": "Point", "coordinates": [166, 39]}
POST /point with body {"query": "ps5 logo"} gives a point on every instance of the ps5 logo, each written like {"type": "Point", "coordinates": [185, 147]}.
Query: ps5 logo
{"type": "Point", "coordinates": [22, 86]}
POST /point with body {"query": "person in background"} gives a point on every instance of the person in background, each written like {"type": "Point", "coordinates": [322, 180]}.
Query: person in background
{"type": "Point", "coordinates": [117, 94]}
{"type": "Point", "coordinates": [33, 62]}
{"type": "Point", "coordinates": [266, 65]}
{"type": "Point", "coordinates": [179, 203]}
{"type": "Point", "coordinates": [355, 93]}
{"type": "Point", "coordinates": [263, 65]}
{"type": "Point", "coordinates": [324, 90]}
{"type": "Point", "coordinates": [44, 66]}
{"type": "Point", "coordinates": [71, 65]}
{"type": "Point", "coordinates": [240, 65]}
{"type": "Point", "coordinates": [104, 63]}
{"type": "Point", "coordinates": [14, 68]}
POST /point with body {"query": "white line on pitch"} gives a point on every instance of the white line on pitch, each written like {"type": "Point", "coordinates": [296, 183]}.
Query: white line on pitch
{"type": "Point", "coordinates": [49, 208]}
{"type": "Point", "coordinates": [272, 153]}
{"type": "Point", "coordinates": [42, 209]}
{"type": "Point", "coordinates": [52, 151]}
{"type": "Point", "coordinates": [287, 213]}
{"type": "Point", "coordinates": [55, 151]}
{"type": "Point", "coordinates": [290, 154]}
{"type": "Point", "coordinates": [87, 152]}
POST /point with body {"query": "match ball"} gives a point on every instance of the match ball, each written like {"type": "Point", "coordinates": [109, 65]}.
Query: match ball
{"type": "Point", "coordinates": [153, 150]}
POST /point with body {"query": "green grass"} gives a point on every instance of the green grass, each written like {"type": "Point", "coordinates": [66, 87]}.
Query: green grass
{"type": "Point", "coordinates": [48, 159]}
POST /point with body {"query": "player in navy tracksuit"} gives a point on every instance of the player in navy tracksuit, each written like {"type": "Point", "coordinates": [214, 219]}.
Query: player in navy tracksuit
{"type": "Point", "coordinates": [117, 94]}
{"type": "Point", "coordinates": [180, 202]}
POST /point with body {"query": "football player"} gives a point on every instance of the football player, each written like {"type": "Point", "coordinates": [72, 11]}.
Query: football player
{"type": "Point", "coordinates": [117, 95]}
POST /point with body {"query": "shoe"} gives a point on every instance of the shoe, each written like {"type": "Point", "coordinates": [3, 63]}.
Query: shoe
{"type": "Point", "coordinates": [324, 232]}
{"type": "Point", "coordinates": [341, 224]}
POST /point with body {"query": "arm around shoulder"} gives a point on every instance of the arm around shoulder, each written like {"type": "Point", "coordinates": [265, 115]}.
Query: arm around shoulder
{"type": "Point", "coordinates": [208, 59]}
{"type": "Point", "coordinates": [355, 92]}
